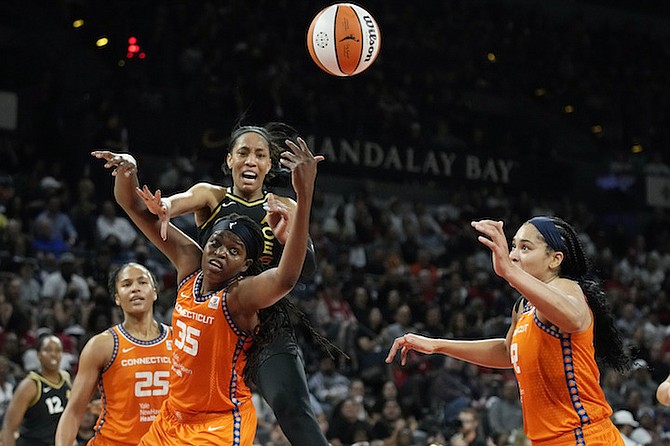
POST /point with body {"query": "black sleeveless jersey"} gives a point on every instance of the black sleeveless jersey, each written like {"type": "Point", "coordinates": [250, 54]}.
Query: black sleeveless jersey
{"type": "Point", "coordinates": [232, 204]}
{"type": "Point", "coordinates": [41, 419]}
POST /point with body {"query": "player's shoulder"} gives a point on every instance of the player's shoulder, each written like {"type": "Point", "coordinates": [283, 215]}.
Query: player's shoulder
{"type": "Point", "coordinates": [285, 200]}
{"type": "Point", "coordinates": [208, 187]}
{"type": "Point", "coordinates": [102, 342]}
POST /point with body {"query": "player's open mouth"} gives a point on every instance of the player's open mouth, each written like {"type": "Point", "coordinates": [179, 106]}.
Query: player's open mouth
{"type": "Point", "coordinates": [216, 264]}
{"type": "Point", "coordinates": [249, 176]}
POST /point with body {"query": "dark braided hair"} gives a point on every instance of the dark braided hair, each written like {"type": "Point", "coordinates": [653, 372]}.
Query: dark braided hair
{"type": "Point", "coordinates": [273, 319]}
{"type": "Point", "coordinates": [278, 316]}
{"type": "Point", "coordinates": [576, 266]}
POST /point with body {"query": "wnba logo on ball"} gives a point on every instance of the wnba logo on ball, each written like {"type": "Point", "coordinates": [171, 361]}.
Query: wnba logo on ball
{"type": "Point", "coordinates": [355, 36]}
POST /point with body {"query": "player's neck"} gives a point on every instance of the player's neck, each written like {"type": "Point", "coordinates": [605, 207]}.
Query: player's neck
{"type": "Point", "coordinates": [51, 375]}
{"type": "Point", "coordinates": [145, 328]}
{"type": "Point", "coordinates": [246, 195]}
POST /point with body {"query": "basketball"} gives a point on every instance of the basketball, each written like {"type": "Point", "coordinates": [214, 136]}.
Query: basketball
{"type": "Point", "coordinates": [343, 39]}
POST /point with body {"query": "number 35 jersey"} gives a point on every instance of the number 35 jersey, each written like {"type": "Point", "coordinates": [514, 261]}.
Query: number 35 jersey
{"type": "Point", "coordinates": [209, 353]}
{"type": "Point", "coordinates": [133, 386]}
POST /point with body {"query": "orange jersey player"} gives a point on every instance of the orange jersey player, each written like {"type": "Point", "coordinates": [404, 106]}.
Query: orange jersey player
{"type": "Point", "coordinates": [559, 329]}
{"type": "Point", "coordinates": [222, 287]}
{"type": "Point", "coordinates": [129, 363]}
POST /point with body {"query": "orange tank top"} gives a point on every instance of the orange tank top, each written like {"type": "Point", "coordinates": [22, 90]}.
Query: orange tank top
{"type": "Point", "coordinates": [133, 386]}
{"type": "Point", "coordinates": [209, 353]}
{"type": "Point", "coordinates": [559, 380]}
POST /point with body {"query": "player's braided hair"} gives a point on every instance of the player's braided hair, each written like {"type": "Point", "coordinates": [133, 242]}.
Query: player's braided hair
{"type": "Point", "coordinates": [275, 318]}
{"type": "Point", "coordinates": [576, 266]}
{"type": "Point", "coordinates": [280, 315]}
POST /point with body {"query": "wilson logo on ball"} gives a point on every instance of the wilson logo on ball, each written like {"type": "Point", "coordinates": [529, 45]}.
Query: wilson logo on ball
{"type": "Point", "coordinates": [343, 39]}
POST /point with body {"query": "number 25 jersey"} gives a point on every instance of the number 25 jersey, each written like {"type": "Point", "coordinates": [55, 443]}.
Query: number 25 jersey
{"type": "Point", "coordinates": [133, 386]}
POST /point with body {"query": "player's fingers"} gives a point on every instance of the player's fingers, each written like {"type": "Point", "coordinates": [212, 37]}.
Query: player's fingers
{"type": "Point", "coordinates": [392, 351]}
{"type": "Point", "coordinates": [403, 355]}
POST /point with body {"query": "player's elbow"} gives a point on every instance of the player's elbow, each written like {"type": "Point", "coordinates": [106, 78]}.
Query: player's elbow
{"type": "Point", "coordinates": [288, 283]}
{"type": "Point", "coordinates": [663, 393]}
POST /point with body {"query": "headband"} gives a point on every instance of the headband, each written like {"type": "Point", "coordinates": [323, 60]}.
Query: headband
{"type": "Point", "coordinates": [262, 131]}
{"type": "Point", "coordinates": [241, 229]}
{"type": "Point", "coordinates": [550, 233]}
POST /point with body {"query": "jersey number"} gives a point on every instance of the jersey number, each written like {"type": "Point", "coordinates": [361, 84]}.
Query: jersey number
{"type": "Point", "coordinates": [152, 384]}
{"type": "Point", "coordinates": [54, 405]}
{"type": "Point", "coordinates": [187, 338]}
{"type": "Point", "coordinates": [514, 356]}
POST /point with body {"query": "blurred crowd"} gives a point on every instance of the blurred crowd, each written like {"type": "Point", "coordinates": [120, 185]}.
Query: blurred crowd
{"type": "Point", "coordinates": [388, 263]}
{"type": "Point", "coordinates": [387, 266]}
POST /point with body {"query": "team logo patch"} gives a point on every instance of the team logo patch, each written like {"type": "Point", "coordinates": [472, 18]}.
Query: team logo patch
{"type": "Point", "coordinates": [213, 302]}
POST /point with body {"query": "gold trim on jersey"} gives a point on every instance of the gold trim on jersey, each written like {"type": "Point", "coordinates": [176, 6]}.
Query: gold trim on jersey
{"type": "Point", "coordinates": [41, 380]}
{"type": "Point", "coordinates": [234, 198]}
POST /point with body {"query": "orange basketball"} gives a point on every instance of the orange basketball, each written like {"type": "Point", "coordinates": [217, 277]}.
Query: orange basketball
{"type": "Point", "coordinates": [343, 39]}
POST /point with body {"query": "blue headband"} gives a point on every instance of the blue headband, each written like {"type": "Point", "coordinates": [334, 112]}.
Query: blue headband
{"type": "Point", "coordinates": [550, 233]}
{"type": "Point", "coordinates": [241, 229]}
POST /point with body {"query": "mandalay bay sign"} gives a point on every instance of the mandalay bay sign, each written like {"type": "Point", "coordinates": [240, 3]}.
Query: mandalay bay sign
{"type": "Point", "coordinates": [378, 160]}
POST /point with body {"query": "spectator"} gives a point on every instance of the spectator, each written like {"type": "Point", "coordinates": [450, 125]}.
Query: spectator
{"type": "Point", "coordinates": [61, 225]}
{"type": "Point", "coordinates": [453, 389]}
{"type": "Point", "coordinates": [86, 432]}
{"type": "Point", "coordinates": [645, 433]}
{"type": "Point", "coordinates": [15, 315]}
{"type": "Point", "coordinates": [504, 414]}
{"type": "Point", "coordinates": [66, 282]}
{"type": "Point", "coordinates": [345, 427]}
{"type": "Point", "coordinates": [468, 431]}
{"type": "Point", "coordinates": [611, 384]}
{"type": "Point", "coordinates": [6, 386]}
{"type": "Point", "coordinates": [370, 347]}
{"type": "Point", "coordinates": [625, 422]}
{"type": "Point", "coordinates": [640, 380]}
{"type": "Point", "coordinates": [29, 285]}
{"type": "Point", "coordinates": [45, 242]}
{"type": "Point", "coordinates": [328, 385]}
{"type": "Point", "coordinates": [391, 422]}
{"type": "Point", "coordinates": [114, 230]}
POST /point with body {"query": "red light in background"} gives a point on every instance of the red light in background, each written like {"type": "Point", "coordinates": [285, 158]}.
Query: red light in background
{"type": "Point", "coordinates": [134, 49]}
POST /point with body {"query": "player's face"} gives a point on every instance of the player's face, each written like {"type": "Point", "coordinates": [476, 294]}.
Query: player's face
{"type": "Point", "coordinates": [249, 162]}
{"type": "Point", "coordinates": [529, 250]}
{"type": "Point", "coordinates": [135, 290]}
{"type": "Point", "coordinates": [50, 354]}
{"type": "Point", "coordinates": [224, 256]}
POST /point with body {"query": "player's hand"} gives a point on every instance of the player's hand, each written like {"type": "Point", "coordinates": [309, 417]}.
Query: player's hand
{"type": "Point", "coordinates": [278, 218]}
{"type": "Point", "coordinates": [407, 343]}
{"type": "Point", "coordinates": [122, 163]}
{"type": "Point", "coordinates": [157, 206]}
{"type": "Point", "coordinates": [302, 163]}
{"type": "Point", "coordinates": [493, 237]}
